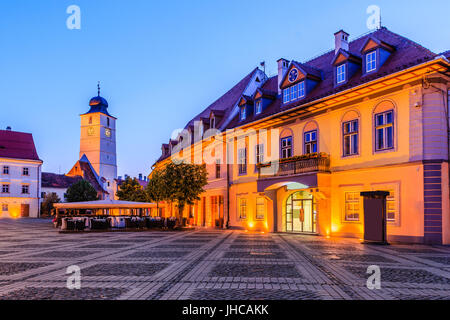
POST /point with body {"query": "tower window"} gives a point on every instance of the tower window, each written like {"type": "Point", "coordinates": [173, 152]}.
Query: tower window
{"type": "Point", "coordinates": [90, 120]}
{"type": "Point", "coordinates": [107, 122]}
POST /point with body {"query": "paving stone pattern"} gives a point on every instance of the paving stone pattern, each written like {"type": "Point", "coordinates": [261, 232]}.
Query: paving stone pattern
{"type": "Point", "coordinates": [210, 264]}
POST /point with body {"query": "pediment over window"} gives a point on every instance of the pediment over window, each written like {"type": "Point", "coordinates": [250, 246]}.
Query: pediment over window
{"type": "Point", "coordinates": [261, 93]}
{"type": "Point", "coordinates": [373, 43]}
{"type": "Point", "coordinates": [343, 56]}
{"type": "Point", "coordinates": [298, 72]}
{"type": "Point", "coordinates": [245, 100]}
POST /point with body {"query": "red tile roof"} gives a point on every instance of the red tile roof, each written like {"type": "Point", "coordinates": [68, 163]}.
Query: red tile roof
{"type": "Point", "coordinates": [53, 180]}
{"type": "Point", "coordinates": [17, 145]}
{"type": "Point", "coordinates": [407, 54]}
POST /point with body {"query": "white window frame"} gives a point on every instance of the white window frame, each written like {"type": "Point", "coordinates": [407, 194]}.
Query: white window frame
{"type": "Point", "coordinates": [260, 206]}
{"type": "Point", "coordinates": [371, 61]}
{"type": "Point", "coordinates": [286, 95]}
{"type": "Point", "coordinates": [309, 143]}
{"type": "Point", "coordinates": [350, 134]}
{"type": "Point", "coordinates": [340, 73]}
{"type": "Point", "coordinates": [258, 106]}
{"type": "Point", "coordinates": [350, 217]}
{"type": "Point", "coordinates": [243, 113]}
{"type": "Point", "coordinates": [259, 153]}
{"type": "Point", "coordinates": [25, 171]}
{"type": "Point", "coordinates": [285, 147]}
{"type": "Point", "coordinates": [25, 189]}
{"type": "Point", "coordinates": [242, 161]}
{"type": "Point", "coordinates": [384, 128]}
{"type": "Point", "coordinates": [301, 89]}
{"type": "Point", "coordinates": [242, 205]}
{"type": "Point", "coordinates": [5, 186]}
{"type": "Point", "coordinates": [6, 170]}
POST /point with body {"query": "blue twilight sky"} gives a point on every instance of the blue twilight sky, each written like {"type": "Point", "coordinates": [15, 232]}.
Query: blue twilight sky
{"type": "Point", "coordinates": [162, 62]}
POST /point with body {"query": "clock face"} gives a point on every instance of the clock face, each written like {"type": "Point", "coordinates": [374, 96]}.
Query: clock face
{"type": "Point", "coordinates": [293, 75]}
{"type": "Point", "coordinates": [90, 131]}
{"type": "Point", "coordinates": [108, 132]}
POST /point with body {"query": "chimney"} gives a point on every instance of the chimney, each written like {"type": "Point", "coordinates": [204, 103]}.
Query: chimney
{"type": "Point", "coordinates": [8, 128]}
{"type": "Point", "coordinates": [340, 41]}
{"type": "Point", "coordinates": [282, 69]}
{"type": "Point", "coordinates": [140, 176]}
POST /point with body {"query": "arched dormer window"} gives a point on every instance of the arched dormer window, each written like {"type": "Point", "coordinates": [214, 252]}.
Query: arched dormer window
{"type": "Point", "coordinates": [212, 122]}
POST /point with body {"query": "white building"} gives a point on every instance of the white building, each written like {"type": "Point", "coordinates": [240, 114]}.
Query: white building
{"type": "Point", "coordinates": [20, 175]}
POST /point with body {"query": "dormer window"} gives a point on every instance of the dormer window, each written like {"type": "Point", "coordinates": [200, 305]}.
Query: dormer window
{"type": "Point", "coordinates": [243, 113]}
{"type": "Point", "coordinates": [258, 106]}
{"type": "Point", "coordinates": [212, 122]}
{"type": "Point", "coordinates": [295, 92]}
{"type": "Point", "coordinates": [340, 73]}
{"type": "Point", "coordinates": [371, 61]}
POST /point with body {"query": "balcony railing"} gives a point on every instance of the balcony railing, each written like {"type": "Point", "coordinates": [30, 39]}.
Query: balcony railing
{"type": "Point", "coordinates": [295, 165]}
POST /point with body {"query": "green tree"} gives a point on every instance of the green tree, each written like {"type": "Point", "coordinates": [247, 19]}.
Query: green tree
{"type": "Point", "coordinates": [184, 184]}
{"type": "Point", "coordinates": [47, 203]}
{"type": "Point", "coordinates": [81, 191]}
{"type": "Point", "coordinates": [156, 189]}
{"type": "Point", "coordinates": [131, 190]}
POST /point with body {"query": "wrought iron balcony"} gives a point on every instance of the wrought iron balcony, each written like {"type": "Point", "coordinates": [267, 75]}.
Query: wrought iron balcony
{"type": "Point", "coordinates": [295, 165]}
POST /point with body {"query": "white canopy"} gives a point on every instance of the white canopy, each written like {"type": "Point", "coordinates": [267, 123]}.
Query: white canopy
{"type": "Point", "coordinates": [105, 204]}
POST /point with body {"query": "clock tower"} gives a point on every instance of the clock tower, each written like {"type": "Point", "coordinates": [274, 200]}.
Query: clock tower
{"type": "Point", "coordinates": [98, 142]}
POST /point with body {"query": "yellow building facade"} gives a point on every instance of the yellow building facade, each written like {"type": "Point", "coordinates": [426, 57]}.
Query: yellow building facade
{"type": "Point", "coordinates": [292, 153]}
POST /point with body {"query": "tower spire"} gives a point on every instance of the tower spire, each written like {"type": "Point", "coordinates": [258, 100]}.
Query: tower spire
{"type": "Point", "coordinates": [98, 87]}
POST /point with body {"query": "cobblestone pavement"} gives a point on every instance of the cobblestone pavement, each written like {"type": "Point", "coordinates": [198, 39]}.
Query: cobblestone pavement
{"type": "Point", "coordinates": [211, 264]}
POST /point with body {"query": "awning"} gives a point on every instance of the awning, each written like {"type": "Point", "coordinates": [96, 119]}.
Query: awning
{"type": "Point", "coordinates": [105, 204]}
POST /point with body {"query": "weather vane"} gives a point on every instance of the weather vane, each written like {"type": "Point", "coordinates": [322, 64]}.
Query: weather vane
{"type": "Point", "coordinates": [98, 86]}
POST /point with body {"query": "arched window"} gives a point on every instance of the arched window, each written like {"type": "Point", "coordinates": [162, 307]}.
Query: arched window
{"type": "Point", "coordinates": [311, 138]}
{"type": "Point", "coordinates": [90, 120]}
{"type": "Point", "coordinates": [350, 133]}
{"type": "Point", "coordinates": [286, 144]}
{"type": "Point", "coordinates": [384, 130]}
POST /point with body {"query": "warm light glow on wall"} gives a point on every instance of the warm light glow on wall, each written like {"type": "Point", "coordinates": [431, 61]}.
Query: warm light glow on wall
{"type": "Point", "coordinates": [334, 228]}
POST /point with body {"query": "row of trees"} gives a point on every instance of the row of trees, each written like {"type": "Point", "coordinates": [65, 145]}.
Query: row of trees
{"type": "Point", "coordinates": [180, 183]}
{"type": "Point", "coordinates": [78, 192]}
{"type": "Point", "coordinates": [176, 183]}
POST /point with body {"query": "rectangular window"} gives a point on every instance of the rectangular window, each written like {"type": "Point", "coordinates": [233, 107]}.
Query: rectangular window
{"type": "Point", "coordinates": [242, 161]}
{"type": "Point", "coordinates": [384, 130]}
{"type": "Point", "coordinates": [107, 122]}
{"type": "Point", "coordinates": [286, 95]}
{"type": "Point", "coordinates": [260, 208]}
{"type": "Point", "coordinates": [218, 169]}
{"type": "Point", "coordinates": [352, 206]}
{"type": "Point", "coordinates": [294, 92]}
{"type": "Point", "coordinates": [4, 207]}
{"type": "Point", "coordinates": [301, 89]}
{"type": "Point", "coordinates": [350, 131]}
{"type": "Point", "coordinates": [243, 113]}
{"type": "Point", "coordinates": [259, 153]}
{"type": "Point", "coordinates": [391, 215]}
{"type": "Point", "coordinates": [242, 208]}
{"type": "Point", "coordinates": [5, 170]}
{"type": "Point", "coordinates": [25, 189]}
{"type": "Point", "coordinates": [5, 188]}
{"type": "Point", "coordinates": [286, 147]}
{"type": "Point", "coordinates": [258, 107]}
{"type": "Point", "coordinates": [25, 172]}
{"type": "Point", "coordinates": [371, 61]}
{"type": "Point", "coordinates": [340, 73]}
{"type": "Point", "coordinates": [310, 142]}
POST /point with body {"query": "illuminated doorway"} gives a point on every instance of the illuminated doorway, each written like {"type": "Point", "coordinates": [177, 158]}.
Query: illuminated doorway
{"type": "Point", "coordinates": [301, 214]}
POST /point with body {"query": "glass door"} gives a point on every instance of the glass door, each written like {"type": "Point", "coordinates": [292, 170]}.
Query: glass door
{"type": "Point", "coordinates": [300, 213]}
